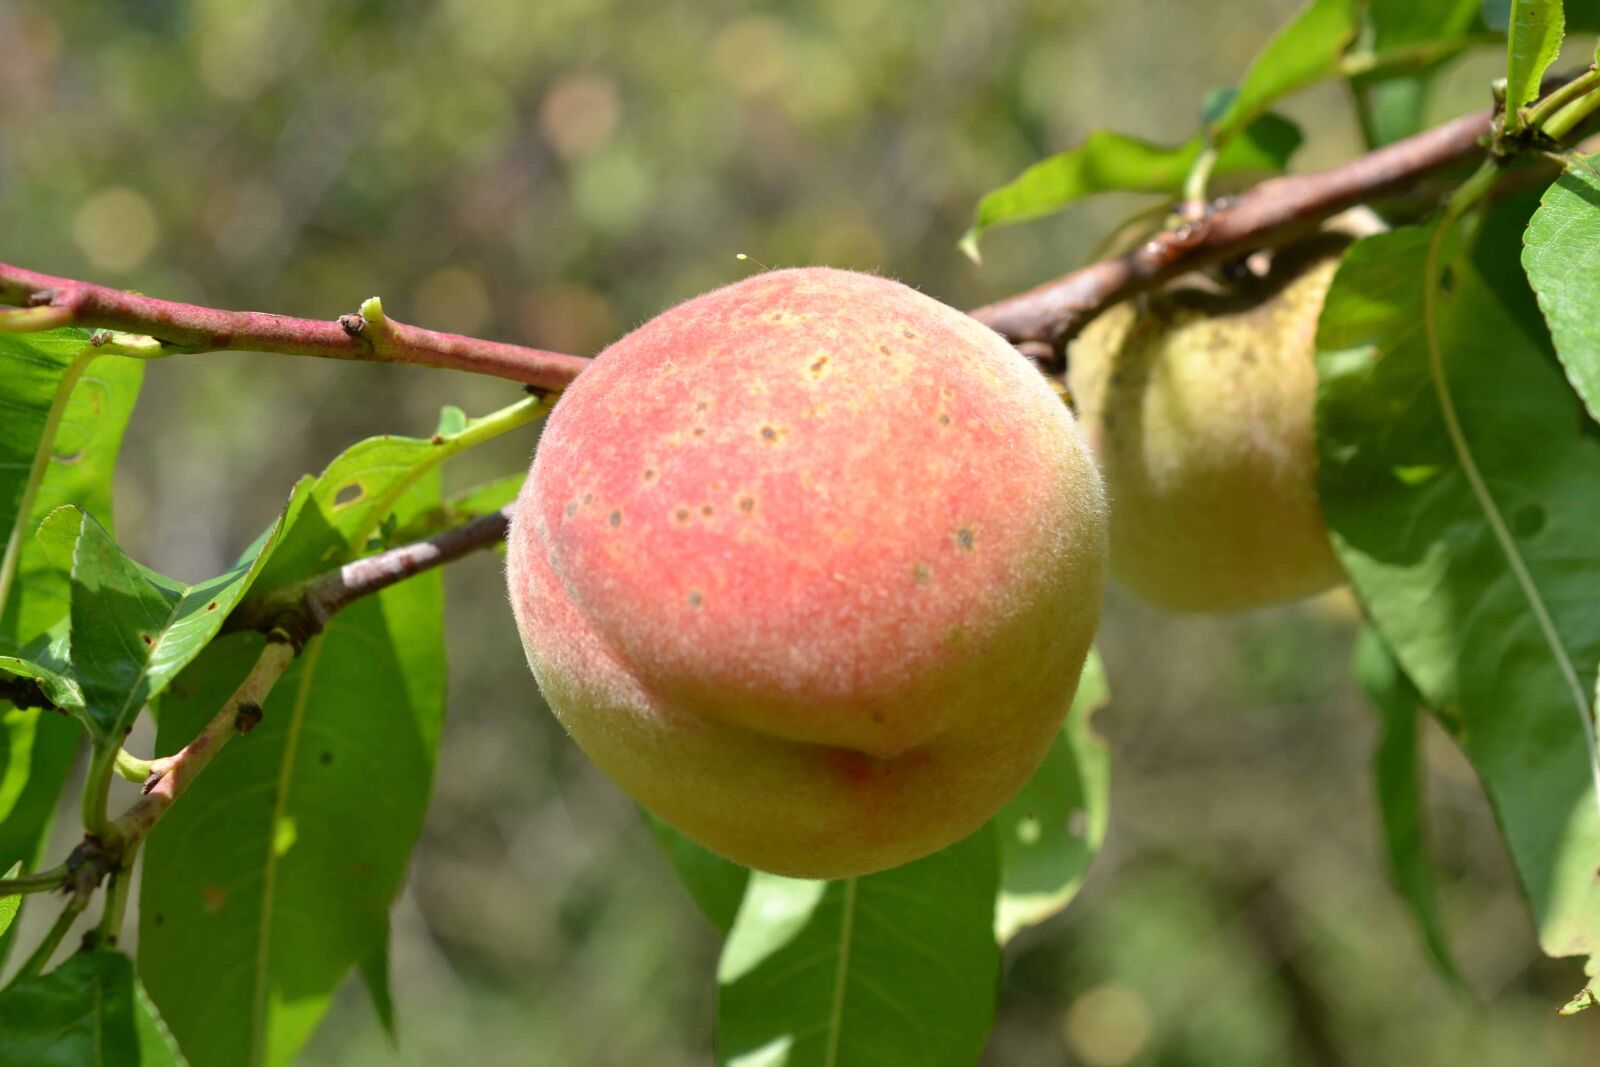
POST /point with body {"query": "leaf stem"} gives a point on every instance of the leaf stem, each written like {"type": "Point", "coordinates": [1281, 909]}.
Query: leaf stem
{"type": "Point", "coordinates": [118, 884]}
{"type": "Point", "coordinates": [38, 882]}
{"type": "Point", "coordinates": [173, 774]}
{"type": "Point", "coordinates": [97, 787]}
{"type": "Point", "coordinates": [1539, 114]}
{"type": "Point", "coordinates": [40, 956]}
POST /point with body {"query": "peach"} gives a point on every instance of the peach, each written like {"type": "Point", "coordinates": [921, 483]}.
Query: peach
{"type": "Point", "coordinates": [809, 565]}
{"type": "Point", "coordinates": [1200, 406]}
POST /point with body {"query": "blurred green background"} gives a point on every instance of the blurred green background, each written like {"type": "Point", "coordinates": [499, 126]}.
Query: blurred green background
{"type": "Point", "coordinates": [556, 172]}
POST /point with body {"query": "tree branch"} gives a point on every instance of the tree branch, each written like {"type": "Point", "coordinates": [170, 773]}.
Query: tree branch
{"type": "Point", "coordinates": [153, 328]}
{"type": "Point", "coordinates": [1269, 213]}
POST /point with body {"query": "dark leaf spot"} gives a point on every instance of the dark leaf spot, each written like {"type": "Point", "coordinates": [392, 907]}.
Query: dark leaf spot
{"type": "Point", "coordinates": [325, 758]}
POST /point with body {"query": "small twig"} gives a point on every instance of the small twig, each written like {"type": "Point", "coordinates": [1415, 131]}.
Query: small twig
{"type": "Point", "coordinates": [171, 775]}
{"type": "Point", "coordinates": [152, 327]}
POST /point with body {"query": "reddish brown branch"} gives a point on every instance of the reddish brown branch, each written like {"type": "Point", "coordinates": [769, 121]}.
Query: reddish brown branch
{"type": "Point", "coordinates": [48, 301]}
{"type": "Point", "coordinates": [1268, 214]}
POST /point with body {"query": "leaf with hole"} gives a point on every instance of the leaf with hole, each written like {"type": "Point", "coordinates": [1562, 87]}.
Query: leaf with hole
{"type": "Point", "coordinates": [274, 876]}
{"type": "Point", "coordinates": [1470, 538]}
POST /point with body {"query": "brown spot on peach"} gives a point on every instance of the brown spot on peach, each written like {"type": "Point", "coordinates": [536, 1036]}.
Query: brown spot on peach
{"type": "Point", "coordinates": [615, 518]}
{"type": "Point", "coordinates": [682, 514]}
{"type": "Point", "coordinates": [695, 598]}
{"type": "Point", "coordinates": [921, 574]}
{"type": "Point", "coordinates": [650, 474]}
{"type": "Point", "coordinates": [747, 504]}
{"type": "Point", "coordinates": [944, 418]}
{"type": "Point", "coordinates": [965, 539]}
{"type": "Point", "coordinates": [572, 508]}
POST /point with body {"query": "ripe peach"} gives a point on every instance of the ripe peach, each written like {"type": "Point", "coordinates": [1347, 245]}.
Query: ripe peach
{"type": "Point", "coordinates": [1200, 407]}
{"type": "Point", "coordinates": [809, 565]}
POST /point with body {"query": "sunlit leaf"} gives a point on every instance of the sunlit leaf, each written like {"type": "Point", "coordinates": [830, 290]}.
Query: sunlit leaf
{"type": "Point", "coordinates": [1051, 831]}
{"type": "Point", "coordinates": [1561, 253]}
{"type": "Point", "coordinates": [1493, 611]}
{"type": "Point", "coordinates": [274, 876]}
{"type": "Point", "coordinates": [1304, 51]}
{"type": "Point", "coordinates": [1533, 40]}
{"type": "Point", "coordinates": [62, 417]}
{"type": "Point", "coordinates": [133, 630]}
{"type": "Point", "coordinates": [90, 1010]}
{"type": "Point", "coordinates": [1113, 162]}
{"type": "Point", "coordinates": [896, 967]}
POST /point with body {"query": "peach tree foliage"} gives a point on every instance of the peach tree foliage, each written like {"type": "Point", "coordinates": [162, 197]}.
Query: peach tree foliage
{"type": "Point", "coordinates": [1458, 471]}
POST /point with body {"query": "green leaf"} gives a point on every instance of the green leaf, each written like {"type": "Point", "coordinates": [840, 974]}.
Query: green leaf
{"type": "Point", "coordinates": [90, 1010]}
{"type": "Point", "coordinates": [1114, 162]}
{"type": "Point", "coordinates": [274, 876]}
{"type": "Point", "coordinates": [896, 967]}
{"type": "Point", "coordinates": [1304, 51]}
{"type": "Point", "coordinates": [1580, 14]}
{"type": "Point", "coordinates": [1397, 778]}
{"type": "Point", "coordinates": [1561, 253]}
{"type": "Point", "coordinates": [62, 417]}
{"type": "Point", "coordinates": [133, 630]}
{"type": "Point", "coordinates": [349, 501]}
{"type": "Point", "coordinates": [9, 906]}
{"type": "Point", "coordinates": [1499, 630]}
{"type": "Point", "coordinates": [1533, 40]}
{"type": "Point", "coordinates": [1051, 831]}
{"type": "Point", "coordinates": [716, 884]}
{"type": "Point", "coordinates": [1394, 106]}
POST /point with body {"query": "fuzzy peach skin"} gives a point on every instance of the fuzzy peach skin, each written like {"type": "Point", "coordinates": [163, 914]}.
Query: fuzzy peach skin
{"type": "Point", "coordinates": [1201, 409]}
{"type": "Point", "coordinates": [809, 565]}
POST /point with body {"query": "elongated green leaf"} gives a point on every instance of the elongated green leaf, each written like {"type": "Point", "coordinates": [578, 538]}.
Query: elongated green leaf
{"type": "Point", "coordinates": [1051, 831]}
{"type": "Point", "coordinates": [1114, 162]}
{"type": "Point", "coordinates": [1561, 253]}
{"type": "Point", "coordinates": [896, 967]}
{"type": "Point", "coordinates": [1304, 51]}
{"type": "Point", "coordinates": [90, 1010]}
{"type": "Point", "coordinates": [1533, 40]}
{"type": "Point", "coordinates": [1397, 777]}
{"type": "Point", "coordinates": [26, 684]}
{"type": "Point", "coordinates": [1395, 105]}
{"type": "Point", "coordinates": [133, 630]}
{"type": "Point", "coordinates": [62, 417]}
{"type": "Point", "coordinates": [716, 885]}
{"type": "Point", "coordinates": [1469, 533]}
{"type": "Point", "coordinates": [273, 877]}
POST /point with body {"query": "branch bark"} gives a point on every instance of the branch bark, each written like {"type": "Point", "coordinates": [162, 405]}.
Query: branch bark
{"type": "Point", "coordinates": [1269, 213]}
{"type": "Point", "coordinates": [1038, 321]}
{"type": "Point", "coordinates": [153, 328]}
